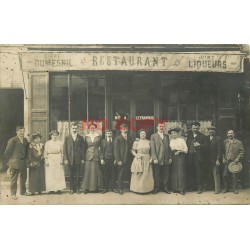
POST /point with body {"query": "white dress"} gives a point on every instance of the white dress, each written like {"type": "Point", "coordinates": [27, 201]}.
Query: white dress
{"type": "Point", "coordinates": [142, 180]}
{"type": "Point", "coordinates": [54, 172]}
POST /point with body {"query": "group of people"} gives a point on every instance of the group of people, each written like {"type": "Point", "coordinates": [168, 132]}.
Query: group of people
{"type": "Point", "coordinates": [166, 162]}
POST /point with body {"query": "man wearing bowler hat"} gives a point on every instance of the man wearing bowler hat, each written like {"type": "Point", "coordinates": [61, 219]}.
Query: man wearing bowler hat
{"type": "Point", "coordinates": [214, 157]}
{"type": "Point", "coordinates": [196, 142]}
{"type": "Point", "coordinates": [233, 153]}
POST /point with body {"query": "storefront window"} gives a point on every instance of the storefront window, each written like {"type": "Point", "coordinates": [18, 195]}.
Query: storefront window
{"type": "Point", "coordinates": [58, 100]}
{"type": "Point", "coordinates": [76, 97]}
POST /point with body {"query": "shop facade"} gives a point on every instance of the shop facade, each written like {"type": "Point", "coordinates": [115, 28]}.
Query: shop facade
{"type": "Point", "coordinates": [140, 85]}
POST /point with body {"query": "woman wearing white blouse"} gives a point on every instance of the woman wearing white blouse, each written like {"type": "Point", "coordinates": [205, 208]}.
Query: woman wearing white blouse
{"type": "Point", "coordinates": [179, 150]}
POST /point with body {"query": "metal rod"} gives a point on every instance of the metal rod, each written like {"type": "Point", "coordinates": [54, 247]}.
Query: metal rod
{"type": "Point", "coordinates": [69, 101]}
{"type": "Point", "coordinates": [105, 111]}
{"type": "Point", "coordinates": [88, 101]}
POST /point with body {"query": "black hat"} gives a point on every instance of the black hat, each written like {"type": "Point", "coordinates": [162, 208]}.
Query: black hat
{"type": "Point", "coordinates": [176, 129]}
{"type": "Point", "coordinates": [211, 128]}
{"type": "Point", "coordinates": [123, 125]}
{"type": "Point", "coordinates": [34, 135]}
{"type": "Point", "coordinates": [19, 127]}
{"type": "Point", "coordinates": [196, 123]}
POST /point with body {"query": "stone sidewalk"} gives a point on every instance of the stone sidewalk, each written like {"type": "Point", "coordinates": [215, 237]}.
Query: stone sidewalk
{"type": "Point", "coordinates": [128, 198]}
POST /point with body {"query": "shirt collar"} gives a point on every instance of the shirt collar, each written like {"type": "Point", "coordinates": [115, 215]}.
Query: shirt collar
{"type": "Point", "coordinates": [93, 135]}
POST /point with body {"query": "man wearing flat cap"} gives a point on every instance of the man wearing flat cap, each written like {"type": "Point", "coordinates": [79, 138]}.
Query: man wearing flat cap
{"type": "Point", "coordinates": [122, 151]}
{"type": "Point", "coordinates": [233, 152]}
{"type": "Point", "coordinates": [214, 157]}
{"type": "Point", "coordinates": [16, 157]}
{"type": "Point", "coordinates": [196, 142]}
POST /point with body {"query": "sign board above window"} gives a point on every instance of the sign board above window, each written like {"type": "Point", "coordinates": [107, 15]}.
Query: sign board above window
{"type": "Point", "coordinates": [156, 61]}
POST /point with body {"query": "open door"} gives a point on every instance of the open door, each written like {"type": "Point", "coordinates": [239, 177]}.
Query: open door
{"type": "Point", "coordinates": [11, 115]}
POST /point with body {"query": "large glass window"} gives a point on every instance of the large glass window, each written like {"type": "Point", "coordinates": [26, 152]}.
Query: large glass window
{"type": "Point", "coordinates": [76, 97]}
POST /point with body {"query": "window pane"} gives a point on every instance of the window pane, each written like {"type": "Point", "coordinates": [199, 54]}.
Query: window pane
{"type": "Point", "coordinates": [58, 99]}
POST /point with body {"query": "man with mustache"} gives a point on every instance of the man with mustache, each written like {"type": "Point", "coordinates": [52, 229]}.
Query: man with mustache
{"type": "Point", "coordinates": [233, 152]}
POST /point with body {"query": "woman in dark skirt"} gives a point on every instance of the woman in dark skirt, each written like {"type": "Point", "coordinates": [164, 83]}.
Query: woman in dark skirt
{"type": "Point", "coordinates": [179, 151]}
{"type": "Point", "coordinates": [92, 172]}
{"type": "Point", "coordinates": [36, 165]}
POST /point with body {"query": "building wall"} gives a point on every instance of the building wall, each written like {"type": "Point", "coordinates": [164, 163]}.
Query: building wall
{"type": "Point", "coordinates": [11, 75]}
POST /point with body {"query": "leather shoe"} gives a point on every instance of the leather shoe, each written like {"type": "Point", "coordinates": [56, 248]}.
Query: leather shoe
{"type": "Point", "coordinates": [155, 191]}
{"type": "Point", "coordinates": [104, 191]}
{"type": "Point", "coordinates": [167, 191]}
{"type": "Point", "coordinates": [199, 191]}
{"type": "Point", "coordinates": [26, 194]}
{"type": "Point", "coordinates": [13, 197]}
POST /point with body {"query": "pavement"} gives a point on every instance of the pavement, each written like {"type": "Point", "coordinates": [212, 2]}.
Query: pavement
{"type": "Point", "coordinates": [128, 198]}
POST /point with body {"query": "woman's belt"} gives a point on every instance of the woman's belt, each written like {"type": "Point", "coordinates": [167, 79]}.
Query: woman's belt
{"type": "Point", "coordinates": [180, 152]}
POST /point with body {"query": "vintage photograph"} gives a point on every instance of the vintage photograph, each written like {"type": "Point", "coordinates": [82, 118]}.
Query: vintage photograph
{"type": "Point", "coordinates": [124, 124]}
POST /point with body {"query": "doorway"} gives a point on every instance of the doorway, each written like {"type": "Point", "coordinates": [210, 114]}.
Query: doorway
{"type": "Point", "coordinates": [11, 115]}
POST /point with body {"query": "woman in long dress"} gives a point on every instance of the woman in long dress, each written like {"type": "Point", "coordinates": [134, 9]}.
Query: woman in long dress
{"type": "Point", "coordinates": [92, 171]}
{"type": "Point", "coordinates": [179, 150]}
{"type": "Point", "coordinates": [54, 170]}
{"type": "Point", "coordinates": [142, 180]}
{"type": "Point", "coordinates": [36, 165]}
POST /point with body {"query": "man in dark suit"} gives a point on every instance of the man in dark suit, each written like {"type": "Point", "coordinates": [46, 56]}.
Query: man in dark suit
{"type": "Point", "coordinates": [233, 151]}
{"type": "Point", "coordinates": [161, 156]}
{"type": "Point", "coordinates": [122, 151]}
{"type": "Point", "coordinates": [74, 154]}
{"type": "Point", "coordinates": [214, 156]}
{"type": "Point", "coordinates": [15, 155]}
{"type": "Point", "coordinates": [107, 160]}
{"type": "Point", "coordinates": [196, 143]}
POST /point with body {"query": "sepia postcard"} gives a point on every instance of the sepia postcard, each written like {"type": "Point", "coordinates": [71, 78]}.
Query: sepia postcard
{"type": "Point", "coordinates": [126, 124]}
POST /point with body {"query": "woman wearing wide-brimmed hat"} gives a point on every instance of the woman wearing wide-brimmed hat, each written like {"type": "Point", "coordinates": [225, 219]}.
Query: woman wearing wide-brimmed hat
{"type": "Point", "coordinates": [179, 151]}
{"type": "Point", "coordinates": [35, 163]}
{"type": "Point", "coordinates": [54, 170]}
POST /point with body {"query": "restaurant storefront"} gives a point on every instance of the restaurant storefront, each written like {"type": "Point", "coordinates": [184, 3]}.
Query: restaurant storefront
{"type": "Point", "coordinates": [137, 84]}
{"type": "Point", "coordinates": [140, 88]}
